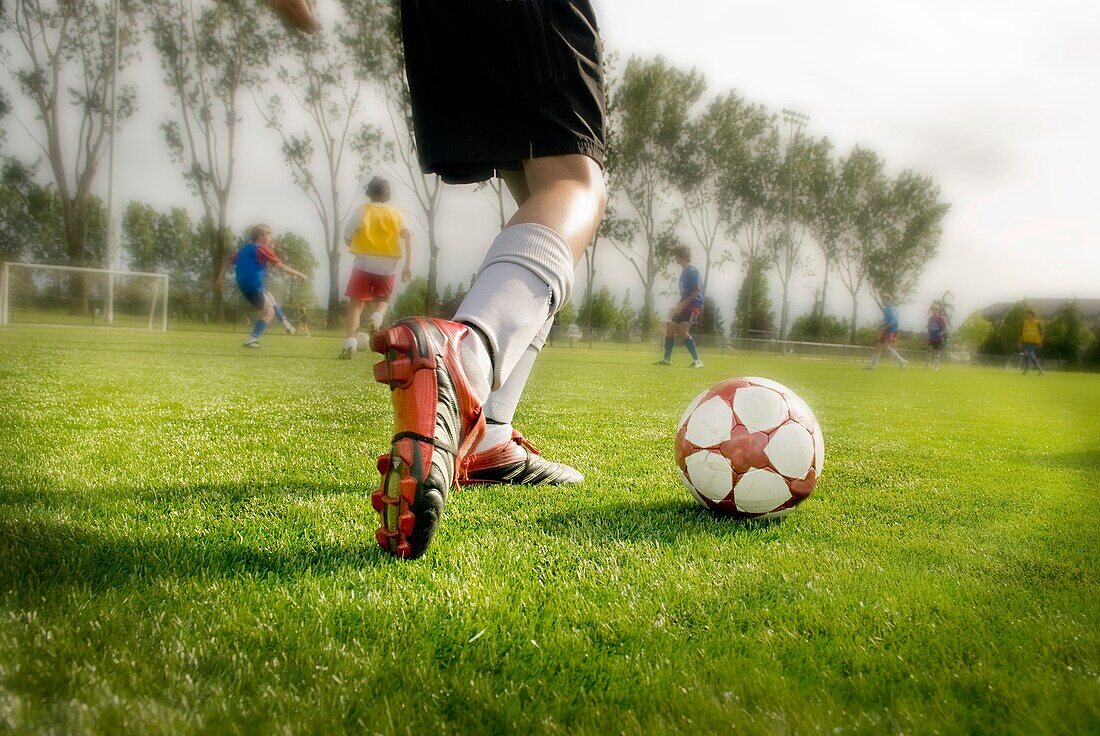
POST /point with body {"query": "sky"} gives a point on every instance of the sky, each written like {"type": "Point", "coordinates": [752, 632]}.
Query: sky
{"type": "Point", "coordinates": [996, 100]}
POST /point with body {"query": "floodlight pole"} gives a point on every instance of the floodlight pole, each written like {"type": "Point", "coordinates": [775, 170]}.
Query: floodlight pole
{"type": "Point", "coordinates": [796, 121]}
{"type": "Point", "coordinates": [112, 215]}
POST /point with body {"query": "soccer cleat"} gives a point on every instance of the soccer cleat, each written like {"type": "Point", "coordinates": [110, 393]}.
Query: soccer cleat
{"type": "Point", "coordinates": [696, 363]}
{"type": "Point", "coordinates": [252, 342]}
{"type": "Point", "coordinates": [663, 361]}
{"type": "Point", "coordinates": [437, 423]}
{"type": "Point", "coordinates": [517, 462]}
{"type": "Point", "coordinates": [288, 327]}
{"type": "Point", "coordinates": [346, 354]}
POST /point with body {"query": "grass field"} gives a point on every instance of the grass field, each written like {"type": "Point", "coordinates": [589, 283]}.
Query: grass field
{"type": "Point", "coordinates": [186, 545]}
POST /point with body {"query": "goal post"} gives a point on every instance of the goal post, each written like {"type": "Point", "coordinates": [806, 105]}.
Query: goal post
{"type": "Point", "coordinates": [42, 293]}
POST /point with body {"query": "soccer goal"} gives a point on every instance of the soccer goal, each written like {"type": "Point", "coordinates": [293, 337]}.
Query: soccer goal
{"type": "Point", "coordinates": [38, 293]}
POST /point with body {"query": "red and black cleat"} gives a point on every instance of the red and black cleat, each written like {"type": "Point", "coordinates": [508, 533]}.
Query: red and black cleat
{"type": "Point", "coordinates": [516, 462]}
{"type": "Point", "coordinates": [437, 422]}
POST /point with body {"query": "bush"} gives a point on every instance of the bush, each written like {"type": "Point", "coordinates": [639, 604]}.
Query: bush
{"type": "Point", "coordinates": [819, 327]}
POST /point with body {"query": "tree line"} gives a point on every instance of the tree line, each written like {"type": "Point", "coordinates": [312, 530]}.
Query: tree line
{"type": "Point", "coordinates": [743, 186]}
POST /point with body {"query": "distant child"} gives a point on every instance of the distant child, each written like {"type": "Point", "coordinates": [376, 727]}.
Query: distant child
{"type": "Point", "coordinates": [687, 311]}
{"type": "Point", "coordinates": [301, 318]}
{"type": "Point", "coordinates": [888, 334]}
{"type": "Point", "coordinates": [251, 261]}
{"type": "Point", "coordinates": [937, 336]}
{"type": "Point", "coordinates": [373, 239]}
{"type": "Point", "coordinates": [1031, 339]}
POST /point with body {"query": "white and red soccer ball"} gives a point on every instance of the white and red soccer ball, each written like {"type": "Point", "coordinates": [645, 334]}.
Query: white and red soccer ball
{"type": "Point", "coordinates": [749, 447]}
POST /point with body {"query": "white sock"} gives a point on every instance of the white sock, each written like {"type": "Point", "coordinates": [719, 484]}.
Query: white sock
{"type": "Point", "coordinates": [500, 407]}
{"type": "Point", "coordinates": [351, 342]}
{"type": "Point", "coordinates": [526, 277]}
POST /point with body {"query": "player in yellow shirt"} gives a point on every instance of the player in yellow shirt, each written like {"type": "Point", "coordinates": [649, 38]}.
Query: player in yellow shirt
{"type": "Point", "coordinates": [373, 238]}
{"type": "Point", "coordinates": [1031, 339]}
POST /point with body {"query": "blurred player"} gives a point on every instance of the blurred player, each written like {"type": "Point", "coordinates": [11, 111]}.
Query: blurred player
{"type": "Point", "coordinates": [301, 319]}
{"type": "Point", "coordinates": [937, 336]}
{"type": "Point", "coordinates": [1031, 339]}
{"type": "Point", "coordinates": [687, 311]}
{"type": "Point", "coordinates": [888, 334]}
{"type": "Point", "coordinates": [251, 261]}
{"type": "Point", "coordinates": [527, 103]}
{"type": "Point", "coordinates": [373, 240]}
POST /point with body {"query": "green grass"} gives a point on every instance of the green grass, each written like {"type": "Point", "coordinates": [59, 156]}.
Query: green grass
{"type": "Point", "coordinates": [186, 545]}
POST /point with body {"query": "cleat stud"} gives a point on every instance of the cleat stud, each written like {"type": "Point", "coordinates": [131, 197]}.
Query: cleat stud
{"type": "Point", "coordinates": [408, 490]}
{"type": "Point", "coordinates": [385, 462]}
{"type": "Point", "coordinates": [406, 523]}
{"type": "Point", "coordinates": [378, 500]}
{"type": "Point", "coordinates": [404, 550]}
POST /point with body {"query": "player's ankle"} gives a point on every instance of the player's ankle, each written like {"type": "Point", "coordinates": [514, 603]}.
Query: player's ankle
{"type": "Point", "coordinates": [350, 343]}
{"type": "Point", "coordinates": [495, 434]}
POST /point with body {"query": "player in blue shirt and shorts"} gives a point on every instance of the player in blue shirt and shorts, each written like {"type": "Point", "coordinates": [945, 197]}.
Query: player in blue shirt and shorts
{"type": "Point", "coordinates": [688, 311]}
{"type": "Point", "coordinates": [251, 261]}
{"type": "Point", "coordinates": [888, 334]}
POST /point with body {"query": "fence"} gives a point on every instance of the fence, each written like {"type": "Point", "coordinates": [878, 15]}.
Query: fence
{"type": "Point", "coordinates": [772, 345]}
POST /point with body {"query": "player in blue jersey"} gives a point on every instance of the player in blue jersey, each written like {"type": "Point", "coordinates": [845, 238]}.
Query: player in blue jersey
{"type": "Point", "coordinates": [251, 261]}
{"type": "Point", "coordinates": [687, 311]}
{"type": "Point", "coordinates": [888, 334]}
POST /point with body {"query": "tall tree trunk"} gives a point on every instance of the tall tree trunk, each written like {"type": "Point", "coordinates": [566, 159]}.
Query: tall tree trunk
{"type": "Point", "coordinates": [784, 312]}
{"type": "Point", "coordinates": [332, 315]}
{"type": "Point", "coordinates": [855, 314]}
{"type": "Point", "coordinates": [75, 235]}
{"type": "Point", "coordinates": [216, 246]}
{"type": "Point", "coordinates": [431, 299]}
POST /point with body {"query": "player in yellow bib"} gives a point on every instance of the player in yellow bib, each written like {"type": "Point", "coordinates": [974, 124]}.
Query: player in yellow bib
{"type": "Point", "coordinates": [374, 240]}
{"type": "Point", "coordinates": [1031, 339]}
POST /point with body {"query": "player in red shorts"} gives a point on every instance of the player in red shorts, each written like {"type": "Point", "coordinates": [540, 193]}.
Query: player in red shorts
{"type": "Point", "coordinates": [373, 240]}
{"type": "Point", "coordinates": [526, 103]}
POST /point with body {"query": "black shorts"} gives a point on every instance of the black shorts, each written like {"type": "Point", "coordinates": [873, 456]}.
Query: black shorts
{"type": "Point", "coordinates": [494, 82]}
{"type": "Point", "coordinates": [254, 297]}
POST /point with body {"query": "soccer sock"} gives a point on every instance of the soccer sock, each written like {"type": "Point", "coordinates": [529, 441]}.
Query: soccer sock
{"type": "Point", "coordinates": [874, 359]}
{"type": "Point", "coordinates": [689, 343]}
{"type": "Point", "coordinates": [669, 342]}
{"type": "Point", "coordinates": [351, 343]}
{"type": "Point", "coordinates": [279, 314]}
{"type": "Point", "coordinates": [500, 407]}
{"type": "Point", "coordinates": [526, 278]}
{"type": "Point", "coordinates": [258, 328]}
{"type": "Point", "coordinates": [895, 355]}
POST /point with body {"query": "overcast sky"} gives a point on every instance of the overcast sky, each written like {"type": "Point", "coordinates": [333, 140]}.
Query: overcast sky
{"type": "Point", "coordinates": [997, 100]}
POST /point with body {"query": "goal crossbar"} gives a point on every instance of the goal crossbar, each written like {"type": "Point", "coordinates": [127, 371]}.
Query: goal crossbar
{"type": "Point", "coordinates": [160, 293]}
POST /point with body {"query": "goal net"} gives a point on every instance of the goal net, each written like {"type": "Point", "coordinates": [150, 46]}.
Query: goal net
{"type": "Point", "coordinates": [36, 293]}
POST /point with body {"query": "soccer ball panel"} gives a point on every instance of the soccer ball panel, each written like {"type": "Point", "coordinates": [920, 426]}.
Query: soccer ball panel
{"type": "Point", "coordinates": [800, 410]}
{"type": "Point", "coordinates": [760, 409]}
{"type": "Point", "coordinates": [761, 491]}
{"type": "Point", "coordinates": [791, 450]}
{"type": "Point", "coordinates": [710, 474]}
{"type": "Point", "coordinates": [710, 423]}
{"type": "Point", "coordinates": [777, 514]}
{"type": "Point", "coordinates": [691, 489]}
{"type": "Point", "coordinates": [768, 383]}
{"type": "Point", "coordinates": [691, 407]}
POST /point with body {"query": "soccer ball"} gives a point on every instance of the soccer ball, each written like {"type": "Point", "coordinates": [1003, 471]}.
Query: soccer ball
{"type": "Point", "coordinates": [750, 448]}
{"type": "Point", "coordinates": [363, 340]}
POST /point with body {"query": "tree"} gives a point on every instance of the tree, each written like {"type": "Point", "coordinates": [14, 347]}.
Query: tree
{"type": "Point", "coordinates": [824, 214]}
{"type": "Point", "coordinates": [1066, 336]}
{"type": "Point", "coordinates": [653, 101]}
{"type": "Point", "coordinates": [974, 332]}
{"type": "Point", "coordinates": [861, 191]}
{"type": "Point", "coordinates": [375, 44]}
{"type": "Point", "coordinates": [209, 52]}
{"type": "Point", "coordinates": [295, 250]}
{"type": "Point", "coordinates": [711, 322]}
{"type": "Point", "coordinates": [66, 50]}
{"type": "Point", "coordinates": [598, 311]}
{"type": "Point", "coordinates": [906, 235]}
{"type": "Point", "coordinates": [317, 75]}
{"type": "Point", "coordinates": [819, 326]}
{"type": "Point", "coordinates": [1004, 338]}
{"type": "Point", "coordinates": [754, 313]}
{"type": "Point", "coordinates": [711, 143]}
{"type": "Point", "coordinates": [411, 302]}
{"type": "Point", "coordinates": [748, 193]}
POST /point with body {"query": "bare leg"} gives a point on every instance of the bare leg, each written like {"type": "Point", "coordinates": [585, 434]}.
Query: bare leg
{"type": "Point", "coordinates": [354, 315]}
{"type": "Point", "coordinates": [567, 195]}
